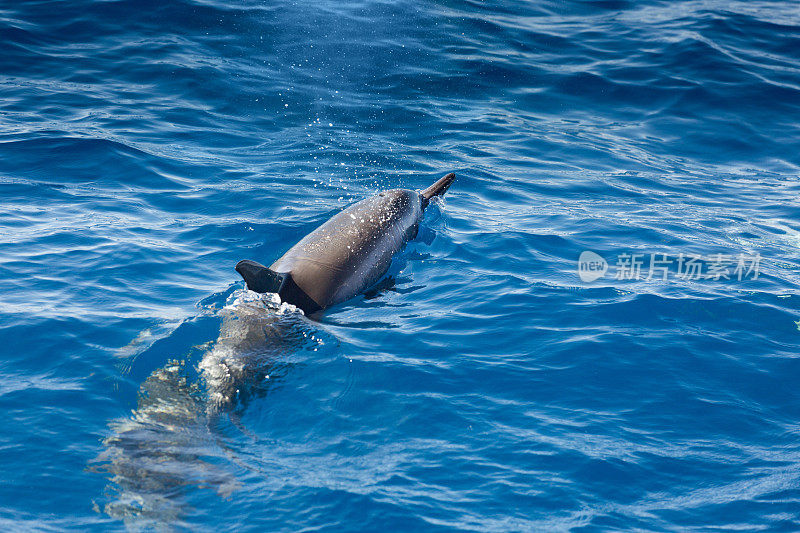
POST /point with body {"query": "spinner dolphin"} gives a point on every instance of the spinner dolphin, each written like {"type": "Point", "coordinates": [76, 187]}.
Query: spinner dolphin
{"type": "Point", "coordinates": [348, 253]}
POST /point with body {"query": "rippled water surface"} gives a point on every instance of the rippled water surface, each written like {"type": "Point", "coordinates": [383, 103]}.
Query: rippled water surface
{"type": "Point", "coordinates": [146, 147]}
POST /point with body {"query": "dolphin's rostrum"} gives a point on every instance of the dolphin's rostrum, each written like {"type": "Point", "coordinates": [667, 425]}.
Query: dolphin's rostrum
{"type": "Point", "coordinates": [348, 253]}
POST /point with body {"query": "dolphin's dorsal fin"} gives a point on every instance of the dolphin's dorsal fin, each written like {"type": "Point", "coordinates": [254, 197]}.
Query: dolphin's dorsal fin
{"type": "Point", "coordinates": [261, 279]}
{"type": "Point", "coordinates": [438, 188]}
{"type": "Point", "coordinates": [258, 277]}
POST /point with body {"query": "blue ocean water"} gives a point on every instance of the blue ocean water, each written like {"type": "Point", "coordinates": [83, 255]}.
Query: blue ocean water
{"type": "Point", "coordinates": [146, 147]}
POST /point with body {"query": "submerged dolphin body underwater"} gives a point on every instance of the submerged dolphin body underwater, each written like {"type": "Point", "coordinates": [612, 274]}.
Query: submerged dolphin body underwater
{"type": "Point", "coordinates": [175, 437]}
{"type": "Point", "coordinates": [347, 254]}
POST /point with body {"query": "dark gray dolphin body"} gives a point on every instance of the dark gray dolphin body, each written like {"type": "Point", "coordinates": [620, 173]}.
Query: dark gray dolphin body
{"type": "Point", "coordinates": [348, 253]}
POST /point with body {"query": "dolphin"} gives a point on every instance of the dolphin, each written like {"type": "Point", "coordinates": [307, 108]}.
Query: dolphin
{"type": "Point", "coordinates": [347, 254]}
{"type": "Point", "coordinates": [164, 445]}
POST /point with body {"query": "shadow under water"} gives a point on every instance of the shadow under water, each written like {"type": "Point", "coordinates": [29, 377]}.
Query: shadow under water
{"type": "Point", "coordinates": [172, 440]}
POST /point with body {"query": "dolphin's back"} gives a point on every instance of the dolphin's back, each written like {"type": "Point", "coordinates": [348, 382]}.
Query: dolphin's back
{"type": "Point", "coordinates": [352, 250]}
{"type": "Point", "coordinates": [346, 254]}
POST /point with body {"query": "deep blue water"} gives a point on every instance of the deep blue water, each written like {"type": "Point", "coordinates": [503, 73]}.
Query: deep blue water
{"type": "Point", "coordinates": [147, 146]}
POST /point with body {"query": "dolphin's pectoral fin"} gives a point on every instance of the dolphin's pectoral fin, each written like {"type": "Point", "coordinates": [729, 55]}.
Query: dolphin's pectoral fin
{"type": "Point", "coordinates": [259, 278]}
